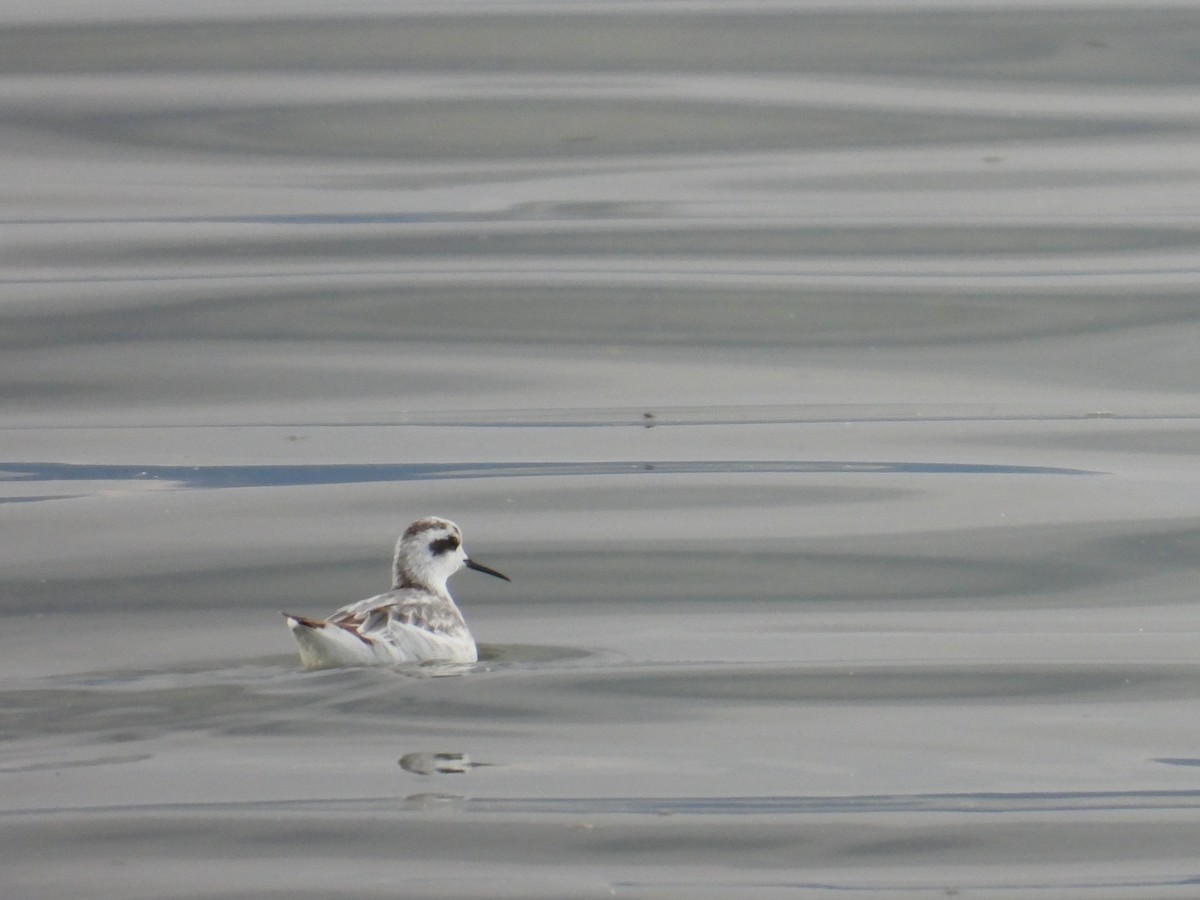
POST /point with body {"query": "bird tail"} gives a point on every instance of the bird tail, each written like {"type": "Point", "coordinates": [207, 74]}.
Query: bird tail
{"type": "Point", "coordinates": [294, 620]}
{"type": "Point", "coordinates": [324, 645]}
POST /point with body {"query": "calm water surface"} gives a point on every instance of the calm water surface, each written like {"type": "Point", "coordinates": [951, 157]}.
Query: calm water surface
{"type": "Point", "coordinates": [825, 379]}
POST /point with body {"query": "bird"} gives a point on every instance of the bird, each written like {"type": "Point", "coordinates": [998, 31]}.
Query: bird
{"type": "Point", "coordinates": [415, 622]}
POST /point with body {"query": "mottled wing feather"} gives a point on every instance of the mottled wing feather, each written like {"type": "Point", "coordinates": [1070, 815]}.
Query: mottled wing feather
{"type": "Point", "coordinates": [372, 620]}
{"type": "Point", "coordinates": [405, 607]}
{"type": "Point", "coordinates": [438, 618]}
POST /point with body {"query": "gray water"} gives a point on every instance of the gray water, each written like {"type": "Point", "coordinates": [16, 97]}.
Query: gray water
{"type": "Point", "coordinates": [823, 377]}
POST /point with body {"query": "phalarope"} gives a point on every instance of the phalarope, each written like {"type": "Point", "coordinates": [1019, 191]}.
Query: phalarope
{"type": "Point", "coordinates": [416, 621]}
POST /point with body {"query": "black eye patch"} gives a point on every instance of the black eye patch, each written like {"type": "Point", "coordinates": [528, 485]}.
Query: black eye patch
{"type": "Point", "coordinates": [443, 545]}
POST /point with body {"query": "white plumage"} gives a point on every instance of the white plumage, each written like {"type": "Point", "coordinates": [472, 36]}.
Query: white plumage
{"type": "Point", "coordinates": [416, 621]}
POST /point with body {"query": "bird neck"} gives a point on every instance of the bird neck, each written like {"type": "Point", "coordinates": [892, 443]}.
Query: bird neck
{"type": "Point", "coordinates": [424, 578]}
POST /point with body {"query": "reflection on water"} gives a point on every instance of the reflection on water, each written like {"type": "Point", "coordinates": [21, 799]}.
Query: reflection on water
{"type": "Point", "coordinates": [859, 345]}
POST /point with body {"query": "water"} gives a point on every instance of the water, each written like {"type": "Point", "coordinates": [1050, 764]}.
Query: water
{"type": "Point", "coordinates": [824, 378]}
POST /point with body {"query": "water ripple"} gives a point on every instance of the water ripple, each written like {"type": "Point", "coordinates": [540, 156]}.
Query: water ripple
{"type": "Point", "coordinates": [984, 803]}
{"type": "Point", "coordinates": [293, 475]}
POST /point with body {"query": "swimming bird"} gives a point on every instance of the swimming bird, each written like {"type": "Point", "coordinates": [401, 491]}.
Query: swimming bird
{"type": "Point", "coordinates": [416, 621]}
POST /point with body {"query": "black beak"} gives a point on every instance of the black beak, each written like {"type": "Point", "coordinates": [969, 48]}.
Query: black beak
{"type": "Point", "coordinates": [479, 567]}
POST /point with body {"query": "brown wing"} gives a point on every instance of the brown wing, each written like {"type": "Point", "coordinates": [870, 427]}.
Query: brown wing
{"type": "Point", "coordinates": [416, 609]}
